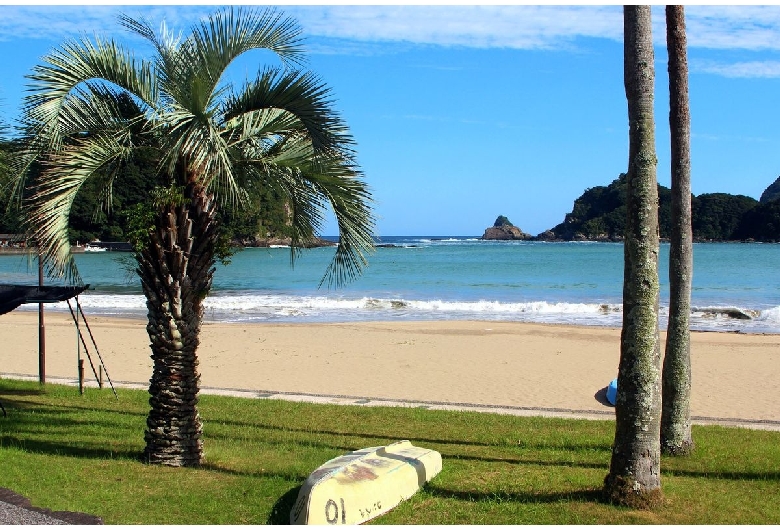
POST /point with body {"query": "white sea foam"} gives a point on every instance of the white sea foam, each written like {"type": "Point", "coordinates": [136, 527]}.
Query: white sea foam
{"type": "Point", "coordinates": [770, 315]}
{"type": "Point", "coordinates": [250, 307]}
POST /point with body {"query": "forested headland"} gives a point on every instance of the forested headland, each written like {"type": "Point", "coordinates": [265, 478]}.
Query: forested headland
{"type": "Point", "coordinates": [600, 214]}
{"type": "Point", "coordinates": [597, 215]}
{"type": "Point", "coordinates": [111, 213]}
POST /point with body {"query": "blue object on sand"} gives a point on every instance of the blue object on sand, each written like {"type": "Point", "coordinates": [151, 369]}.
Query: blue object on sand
{"type": "Point", "coordinates": [612, 391]}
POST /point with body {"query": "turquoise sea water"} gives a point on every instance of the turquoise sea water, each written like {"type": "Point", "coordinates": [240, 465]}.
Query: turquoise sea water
{"type": "Point", "coordinates": [450, 278]}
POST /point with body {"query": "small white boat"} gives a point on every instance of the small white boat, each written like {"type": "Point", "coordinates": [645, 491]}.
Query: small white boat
{"type": "Point", "coordinates": [92, 248]}
{"type": "Point", "coordinates": [356, 487]}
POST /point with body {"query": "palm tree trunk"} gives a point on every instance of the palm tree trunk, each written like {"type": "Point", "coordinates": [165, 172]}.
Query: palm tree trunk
{"type": "Point", "coordinates": [676, 413]}
{"type": "Point", "coordinates": [176, 271]}
{"type": "Point", "coordinates": [634, 476]}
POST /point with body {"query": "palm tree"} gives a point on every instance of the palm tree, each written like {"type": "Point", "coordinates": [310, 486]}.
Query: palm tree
{"type": "Point", "coordinates": [676, 435]}
{"type": "Point", "coordinates": [634, 477]}
{"type": "Point", "coordinates": [278, 130]}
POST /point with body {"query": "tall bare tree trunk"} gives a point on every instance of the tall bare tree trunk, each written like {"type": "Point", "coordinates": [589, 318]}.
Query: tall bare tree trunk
{"type": "Point", "coordinates": [176, 270]}
{"type": "Point", "coordinates": [634, 477]}
{"type": "Point", "coordinates": [676, 413]}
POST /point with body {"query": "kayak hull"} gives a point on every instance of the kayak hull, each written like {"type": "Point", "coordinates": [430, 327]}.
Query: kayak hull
{"type": "Point", "coordinates": [364, 484]}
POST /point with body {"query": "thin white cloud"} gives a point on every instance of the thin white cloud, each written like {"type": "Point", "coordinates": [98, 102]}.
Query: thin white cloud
{"type": "Point", "coordinates": [733, 27]}
{"type": "Point", "coordinates": [59, 22]}
{"type": "Point", "coordinates": [754, 28]}
{"type": "Point", "coordinates": [732, 139]}
{"type": "Point", "coordinates": [523, 27]}
{"type": "Point", "coordinates": [747, 69]}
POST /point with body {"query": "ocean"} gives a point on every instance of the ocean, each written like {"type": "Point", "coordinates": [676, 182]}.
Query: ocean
{"type": "Point", "coordinates": [735, 286]}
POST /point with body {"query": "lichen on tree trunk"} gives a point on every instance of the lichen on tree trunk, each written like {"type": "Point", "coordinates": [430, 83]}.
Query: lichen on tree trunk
{"type": "Point", "coordinates": [676, 437]}
{"type": "Point", "coordinates": [176, 270]}
{"type": "Point", "coordinates": [634, 478]}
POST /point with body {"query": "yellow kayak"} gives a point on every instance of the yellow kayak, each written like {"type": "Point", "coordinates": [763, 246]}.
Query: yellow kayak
{"type": "Point", "coordinates": [361, 485]}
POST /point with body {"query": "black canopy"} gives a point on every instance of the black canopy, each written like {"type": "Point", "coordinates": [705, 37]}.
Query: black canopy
{"type": "Point", "coordinates": [12, 296]}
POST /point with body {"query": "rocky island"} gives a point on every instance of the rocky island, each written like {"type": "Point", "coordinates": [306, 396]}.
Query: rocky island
{"type": "Point", "coordinates": [504, 230]}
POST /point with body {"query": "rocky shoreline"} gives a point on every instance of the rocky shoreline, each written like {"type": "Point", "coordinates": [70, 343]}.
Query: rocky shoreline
{"type": "Point", "coordinates": [513, 233]}
{"type": "Point", "coordinates": [270, 242]}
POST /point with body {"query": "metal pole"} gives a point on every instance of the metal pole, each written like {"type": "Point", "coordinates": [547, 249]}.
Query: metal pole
{"type": "Point", "coordinates": [81, 376]}
{"type": "Point", "coordinates": [78, 356]}
{"type": "Point", "coordinates": [41, 328]}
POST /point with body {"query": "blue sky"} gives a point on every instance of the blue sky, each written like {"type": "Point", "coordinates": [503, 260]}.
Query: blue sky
{"type": "Point", "coordinates": [462, 113]}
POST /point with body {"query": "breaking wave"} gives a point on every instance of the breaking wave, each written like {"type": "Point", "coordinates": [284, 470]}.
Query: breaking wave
{"type": "Point", "coordinates": [252, 307]}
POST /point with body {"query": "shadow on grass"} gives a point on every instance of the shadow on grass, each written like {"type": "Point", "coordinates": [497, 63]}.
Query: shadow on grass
{"type": "Point", "coordinates": [4, 392]}
{"type": "Point", "coordinates": [388, 438]}
{"type": "Point", "coordinates": [588, 495]}
{"type": "Point", "coordinates": [528, 462]}
{"type": "Point", "coordinates": [79, 451]}
{"type": "Point", "coordinates": [23, 416]}
{"type": "Point", "coordinates": [280, 513]}
{"type": "Point", "coordinates": [447, 453]}
{"type": "Point", "coordinates": [772, 476]}
{"type": "Point", "coordinates": [253, 474]}
{"type": "Point", "coordinates": [103, 407]}
{"type": "Point", "coordinates": [304, 444]}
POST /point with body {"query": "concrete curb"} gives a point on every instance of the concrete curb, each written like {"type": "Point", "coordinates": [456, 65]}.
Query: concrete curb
{"type": "Point", "coordinates": [607, 413]}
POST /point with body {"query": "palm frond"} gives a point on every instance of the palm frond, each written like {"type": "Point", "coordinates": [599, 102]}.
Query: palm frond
{"type": "Point", "coordinates": [302, 94]}
{"type": "Point", "coordinates": [19, 167]}
{"type": "Point", "coordinates": [281, 129]}
{"type": "Point", "coordinates": [171, 66]}
{"type": "Point", "coordinates": [94, 134]}
{"type": "Point", "coordinates": [77, 62]}
{"type": "Point", "coordinates": [350, 199]}
{"type": "Point", "coordinates": [54, 191]}
{"type": "Point", "coordinates": [232, 31]}
{"type": "Point", "coordinates": [200, 146]}
{"type": "Point", "coordinates": [164, 42]}
{"type": "Point", "coordinates": [311, 183]}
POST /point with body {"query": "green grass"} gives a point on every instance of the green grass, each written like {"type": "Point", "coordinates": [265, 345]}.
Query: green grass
{"type": "Point", "coordinates": [81, 453]}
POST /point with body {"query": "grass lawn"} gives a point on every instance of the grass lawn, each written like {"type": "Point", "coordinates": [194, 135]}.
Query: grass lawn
{"type": "Point", "coordinates": [79, 453]}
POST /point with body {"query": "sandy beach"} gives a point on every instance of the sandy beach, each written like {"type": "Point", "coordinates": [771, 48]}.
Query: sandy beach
{"type": "Point", "coordinates": [504, 366]}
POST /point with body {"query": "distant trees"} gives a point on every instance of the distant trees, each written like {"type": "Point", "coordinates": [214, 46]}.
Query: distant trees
{"type": "Point", "coordinates": [762, 222]}
{"type": "Point", "coordinates": [717, 216]}
{"type": "Point", "coordinates": [10, 221]}
{"type": "Point", "coordinates": [502, 221]}
{"type": "Point", "coordinates": [97, 213]}
{"type": "Point", "coordinates": [599, 213]}
{"type": "Point", "coordinates": [106, 218]}
{"type": "Point", "coordinates": [772, 193]}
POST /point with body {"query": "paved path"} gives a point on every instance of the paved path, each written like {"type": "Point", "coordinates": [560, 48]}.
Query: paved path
{"type": "Point", "coordinates": [606, 412]}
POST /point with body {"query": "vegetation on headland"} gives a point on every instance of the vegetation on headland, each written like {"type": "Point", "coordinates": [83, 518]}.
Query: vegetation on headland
{"type": "Point", "coordinates": [502, 220]}
{"type": "Point", "coordinates": [496, 469]}
{"type": "Point", "coordinates": [110, 218]}
{"type": "Point", "coordinates": [600, 214]}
